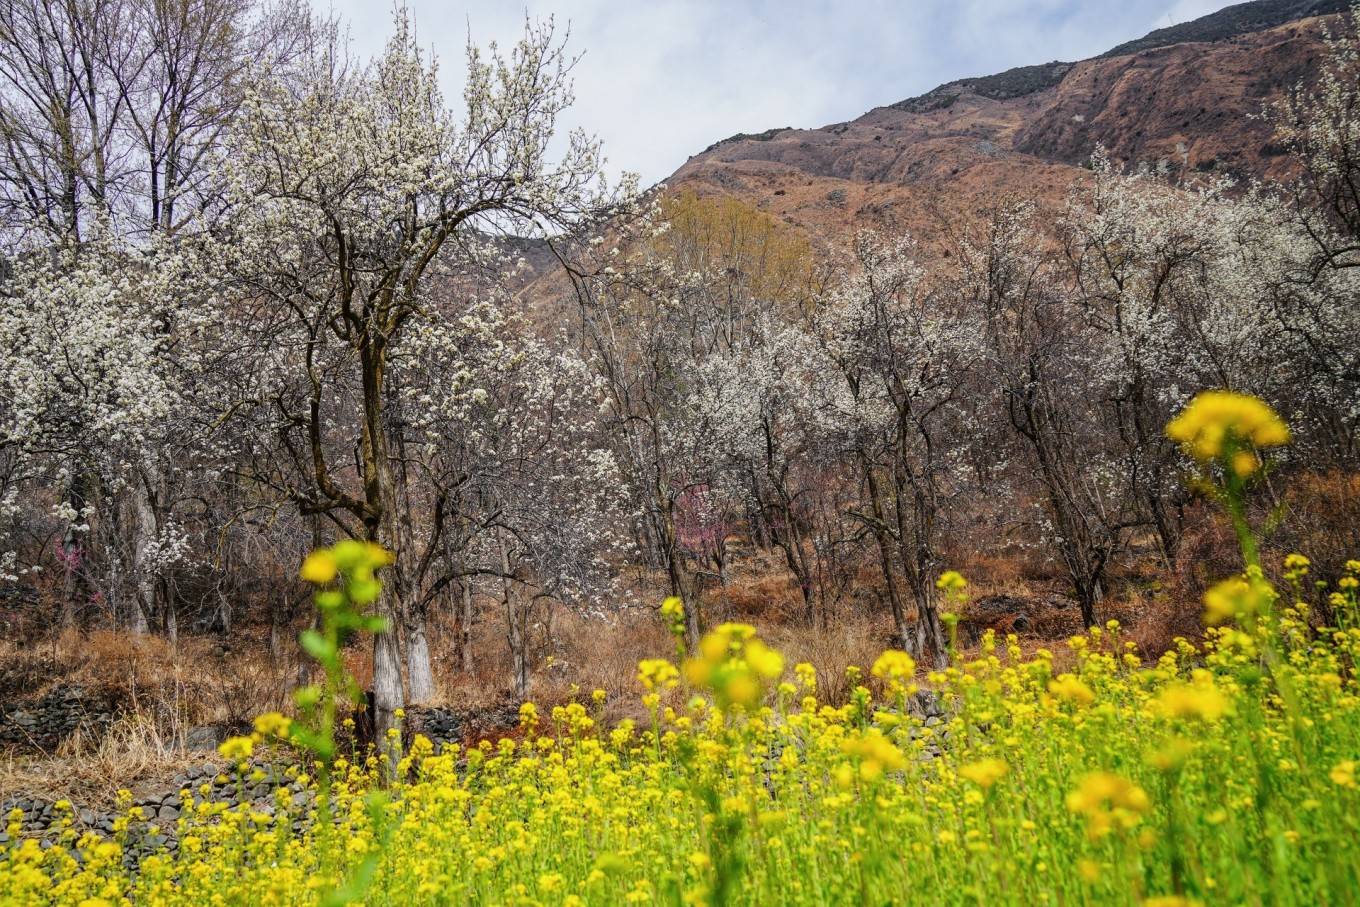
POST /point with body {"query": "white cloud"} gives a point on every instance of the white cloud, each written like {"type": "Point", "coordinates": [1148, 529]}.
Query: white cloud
{"type": "Point", "coordinates": [661, 80]}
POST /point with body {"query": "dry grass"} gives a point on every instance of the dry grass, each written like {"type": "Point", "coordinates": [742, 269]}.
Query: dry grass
{"type": "Point", "coordinates": [169, 689]}
{"type": "Point", "coordinates": [849, 640]}
{"type": "Point", "coordinates": [162, 691]}
{"type": "Point", "coordinates": [202, 679]}
{"type": "Point", "coordinates": [139, 750]}
{"type": "Point", "coordinates": [1322, 520]}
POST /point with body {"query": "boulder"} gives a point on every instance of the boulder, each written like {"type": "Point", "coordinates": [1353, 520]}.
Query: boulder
{"type": "Point", "coordinates": [204, 738]}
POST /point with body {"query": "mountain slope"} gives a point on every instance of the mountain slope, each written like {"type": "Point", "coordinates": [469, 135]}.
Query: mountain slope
{"type": "Point", "coordinates": [1187, 97]}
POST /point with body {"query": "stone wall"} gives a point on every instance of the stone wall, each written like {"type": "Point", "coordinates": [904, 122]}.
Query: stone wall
{"type": "Point", "coordinates": [158, 828]}
{"type": "Point", "coordinates": [43, 722]}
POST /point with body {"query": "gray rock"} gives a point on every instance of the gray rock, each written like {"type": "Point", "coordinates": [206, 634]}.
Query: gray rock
{"type": "Point", "coordinates": [204, 737]}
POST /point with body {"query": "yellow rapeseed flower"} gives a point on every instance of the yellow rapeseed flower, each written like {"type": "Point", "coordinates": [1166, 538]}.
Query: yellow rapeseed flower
{"type": "Point", "coordinates": [1201, 700]}
{"type": "Point", "coordinates": [1215, 422]}
{"type": "Point", "coordinates": [1108, 801]}
{"type": "Point", "coordinates": [319, 567]}
{"type": "Point", "coordinates": [673, 613]}
{"type": "Point", "coordinates": [877, 754]}
{"type": "Point", "coordinates": [1070, 688]}
{"type": "Point", "coordinates": [894, 665]}
{"type": "Point", "coordinates": [735, 665]}
{"type": "Point", "coordinates": [985, 772]}
{"type": "Point", "coordinates": [951, 581]}
{"type": "Point", "coordinates": [236, 749]}
{"type": "Point", "coordinates": [1236, 597]}
{"type": "Point", "coordinates": [273, 724]}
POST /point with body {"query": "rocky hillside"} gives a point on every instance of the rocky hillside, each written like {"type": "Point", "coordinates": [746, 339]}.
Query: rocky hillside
{"type": "Point", "coordinates": [1188, 97]}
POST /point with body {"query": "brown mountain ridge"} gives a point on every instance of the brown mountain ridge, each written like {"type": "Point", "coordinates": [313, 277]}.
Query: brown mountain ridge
{"type": "Point", "coordinates": [1188, 97]}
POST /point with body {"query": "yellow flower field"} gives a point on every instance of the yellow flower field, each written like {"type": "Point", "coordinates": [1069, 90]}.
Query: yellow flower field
{"type": "Point", "coordinates": [1201, 777]}
{"type": "Point", "coordinates": [1224, 773]}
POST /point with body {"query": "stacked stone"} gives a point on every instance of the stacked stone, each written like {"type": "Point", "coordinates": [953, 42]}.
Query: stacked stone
{"type": "Point", "coordinates": [927, 706]}
{"type": "Point", "coordinates": [44, 722]}
{"type": "Point", "coordinates": [161, 811]}
{"type": "Point", "coordinates": [442, 726]}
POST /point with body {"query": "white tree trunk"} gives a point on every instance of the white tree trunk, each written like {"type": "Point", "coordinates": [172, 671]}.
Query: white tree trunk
{"type": "Point", "coordinates": [420, 673]}
{"type": "Point", "coordinates": [387, 687]}
{"type": "Point", "coordinates": [138, 622]}
{"type": "Point", "coordinates": [144, 532]}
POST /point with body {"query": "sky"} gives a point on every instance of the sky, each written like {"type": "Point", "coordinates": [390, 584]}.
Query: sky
{"type": "Point", "coordinates": [660, 80]}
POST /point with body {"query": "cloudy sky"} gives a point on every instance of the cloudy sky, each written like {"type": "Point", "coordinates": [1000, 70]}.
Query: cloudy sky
{"type": "Point", "coordinates": [660, 80]}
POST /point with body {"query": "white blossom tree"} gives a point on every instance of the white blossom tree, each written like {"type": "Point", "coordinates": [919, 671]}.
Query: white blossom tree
{"type": "Point", "coordinates": [350, 189]}
{"type": "Point", "coordinates": [96, 380]}
{"type": "Point", "coordinates": [503, 457]}
{"type": "Point", "coordinates": [902, 353]}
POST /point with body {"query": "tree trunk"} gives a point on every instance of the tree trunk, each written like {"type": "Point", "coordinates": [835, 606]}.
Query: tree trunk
{"type": "Point", "coordinates": [916, 514]}
{"type": "Point", "coordinates": [683, 584]}
{"type": "Point", "coordinates": [382, 526]}
{"type": "Point", "coordinates": [930, 634]}
{"type": "Point", "coordinates": [388, 695]}
{"type": "Point", "coordinates": [304, 664]}
{"type": "Point", "coordinates": [899, 614]}
{"type": "Point", "coordinates": [1089, 594]}
{"type": "Point", "coordinates": [143, 538]}
{"type": "Point", "coordinates": [465, 627]}
{"type": "Point", "coordinates": [68, 610]}
{"type": "Point", "coordinates": [516, 618]}
{"type": "Point", "coordinates": [760, 530]}
{"type": "Point", "coordinates": [419, 671]}
{"type": "Point", "coordinates": [276, 631]}
{"type": "Point", "coordinates": [171, 625]}
{"type": "Point", "coordinates": [1084, 558]}
{"type": "Point", "coordinates": [791, 544]}
{"type": "Point", "coordinates": [75, 587]}
{"type": "Point", "coordinates": [224, 613]}
{"type": "Point", "coordinates": [519, 647]}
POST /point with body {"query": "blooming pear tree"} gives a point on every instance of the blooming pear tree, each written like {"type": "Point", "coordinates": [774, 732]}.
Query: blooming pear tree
{"type": "Point", "coordinates": [902, 354]}
{"type": "Point", "coordinates": [1141, 257]}
{"type": "Point", "coordinates": [502, 449]}
{"type": "Point", "coordinates": [349, 189]}
{"type": "Point", "coordinates": [1040, 358]}
{"type": "Point", "coordinates": [96, 380]}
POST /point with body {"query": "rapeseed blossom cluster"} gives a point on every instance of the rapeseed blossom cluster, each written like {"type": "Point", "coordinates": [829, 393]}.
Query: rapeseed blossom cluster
{"type": "Point", "coordinates": [1223, 425]}
{"type": "Point", "coordinates": [1115, 782]}
{"type": "Point", "coordinates": [735, 665]}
